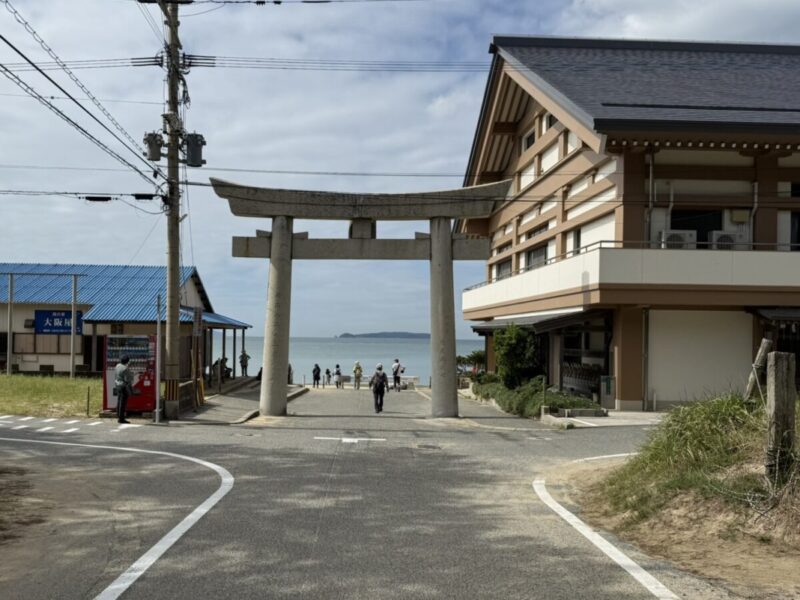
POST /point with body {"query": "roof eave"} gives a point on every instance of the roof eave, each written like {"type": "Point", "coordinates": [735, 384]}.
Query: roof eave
{"type": "Point", "coordinates": [612, 127]}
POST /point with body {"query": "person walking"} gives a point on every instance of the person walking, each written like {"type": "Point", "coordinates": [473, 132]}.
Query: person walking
{"type": "Point", "coordinates": [327, 377]}
{"type": "Point", "coordinates": [123, 386]}
{"type": "Point", "coordinates": [315, 374]}
{"type": "Point", "coordinates": [244, 360]}
{"type": "Point", "coordinates": [397, 370]}
{"type": "Point", "coordinates": [337, 377]}
{"type": "Point", "coordinates": [357, 373]}
{"type": "Point", "coordinates": [379, 382]}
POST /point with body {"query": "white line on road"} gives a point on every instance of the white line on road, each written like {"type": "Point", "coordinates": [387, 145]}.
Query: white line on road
{"type": "Point", "coordinates": [653, 585]}
{"type": "Point", "coordinates": [44, 429]}
{"type": "Point", "coordinates": [95, 423]}
{"type": "Point", "coordinates": [605, 456]}
{"type": "Point", "coordinates": [19, 427]}
{"type": "Point", "coordinates": [25, 419]}
{"type": "Point", "coordinates": [71, 430]}
{"type": "Point", "coordinates": [137, 569]}
{"type": "Point", "coordinates": [49, 420]}
{"type": "Point", "coordinates": [71, 422]}
{"type": "Point", "coordinates": [348, 440]}
{"type": "Point", "coordinates": [584, 422]}
{"type": "Point", "coordinates": [6, 416]}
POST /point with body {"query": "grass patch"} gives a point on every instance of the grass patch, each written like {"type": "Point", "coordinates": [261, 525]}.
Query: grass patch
{"type": "Point", "coordinates": [528, 399]}
{"type": "Point", "coordinates": [41, 396]}
{"type": "Point", "coordinates": [714, 448]}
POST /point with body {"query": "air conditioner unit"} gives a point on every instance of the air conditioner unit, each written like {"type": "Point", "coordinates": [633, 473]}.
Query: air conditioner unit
{"type": "Point", "coordinates": [678, 239]}
{"type": "Point", "coordinates": [729, 240]}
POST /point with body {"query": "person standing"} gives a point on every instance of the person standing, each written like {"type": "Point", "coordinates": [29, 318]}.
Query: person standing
{"type": "Point", "coordinates": [315, 374]}
{"type": "Point", "coordinates": [327, 376]}
{"type": "Point", "coordinates": [244, 360]}
{"type": "Point", "coordinates": [357, 373]}
{"type": "Point", "coordinates": [378, 382]}
{"type": "Point", "coordinates": [337, 376]}
{"type": "Point", "coordinates": [123, 386]}
{"type": "Point", "coordinates": [397, 370]}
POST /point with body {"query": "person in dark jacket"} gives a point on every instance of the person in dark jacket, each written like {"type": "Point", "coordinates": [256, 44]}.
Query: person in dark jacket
{"type": "Point", "coordinates": [123, 386]}
{"type": "Point", "coordinates": [379, 382]}
{"type": "Point", "coordinates": [315, 375]}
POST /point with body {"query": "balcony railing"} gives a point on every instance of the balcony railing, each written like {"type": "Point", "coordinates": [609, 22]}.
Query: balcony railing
{"type": "Point", "coordinates": [635, 245]}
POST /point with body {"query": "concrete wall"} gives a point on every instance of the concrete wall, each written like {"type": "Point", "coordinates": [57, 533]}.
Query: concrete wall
{"type": "Point", "coordinates": [697, 354]}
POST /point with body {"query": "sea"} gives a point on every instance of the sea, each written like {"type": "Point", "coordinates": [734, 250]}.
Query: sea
{"type": "Point", "coordinates": [414, 355]}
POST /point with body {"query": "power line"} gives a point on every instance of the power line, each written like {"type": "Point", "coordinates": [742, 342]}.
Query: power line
{"type": "Point", "coordinates": [312, 64]}
{"type": "Point", "coordinates": [32, 92]}
{"type": "Point", "coordinates": [97, 63]}
{"type": "Point", "coordinates": [101, 99]}
{"type": "Point", "coordinates": [29, 28]}
{"type": "Point", "coordinates": [152, 24]}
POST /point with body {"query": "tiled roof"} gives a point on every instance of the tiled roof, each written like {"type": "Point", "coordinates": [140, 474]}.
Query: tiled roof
{"type": "Point", "coordinates": [116, 293]}
{"type": "Point", "coordinates": [617, 84]}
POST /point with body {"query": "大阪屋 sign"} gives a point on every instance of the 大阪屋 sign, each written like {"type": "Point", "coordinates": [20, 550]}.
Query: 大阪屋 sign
{"type": "Point", "coordinates": [57, 321]}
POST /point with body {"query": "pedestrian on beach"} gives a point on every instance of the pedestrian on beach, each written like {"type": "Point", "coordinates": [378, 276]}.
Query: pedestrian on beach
{"type": "Point", "coordinates": [327, 376]}
{"type": "Point", "coordinates": [291, 374]}
{"type": "Point", "coordinates": [123, 386]}
{"type": "Point", "coordinates": [244, 360]}
{"type": "Point", "coordinates": [379, 382]}
{"type": "Point", "coordinates": [337, 377]}
{"type": "Point", "coordinates": [357, 373]}
{"type": "Point", "coordinates": [397, 370]}
{"type": "Point", "coordinates": [315, 374]}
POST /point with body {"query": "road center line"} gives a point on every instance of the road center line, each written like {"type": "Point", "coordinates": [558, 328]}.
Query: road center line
{"type": "Point", "coordinates": [653, 585]}
{"type": "Point", "coordinates": [604, 457]}
{"type": "Point", "coordinates": [137, 569]}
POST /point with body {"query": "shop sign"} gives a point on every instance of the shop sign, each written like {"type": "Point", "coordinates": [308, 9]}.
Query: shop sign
{"type": "Point", "coordinates": [57, 321]}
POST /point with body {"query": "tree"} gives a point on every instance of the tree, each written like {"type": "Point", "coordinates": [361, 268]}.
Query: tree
{"type": "Point", "coordinates": [517, 354]}
{"type": "Point", "coordinates": [477, 359]}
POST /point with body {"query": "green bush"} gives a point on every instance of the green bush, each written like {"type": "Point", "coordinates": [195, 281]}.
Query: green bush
{"type": "Point", "coordinates": [695, 447]}
{"type": "Point", "coordinates": [484, 377]}
{"type": "Point", "coordinates": [528, 399]}
{"type": "Point", "coordinates": [517, 355]}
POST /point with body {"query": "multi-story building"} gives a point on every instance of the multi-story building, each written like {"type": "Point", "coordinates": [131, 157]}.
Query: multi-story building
{"type": "Point", "coordinates": [655, 206]}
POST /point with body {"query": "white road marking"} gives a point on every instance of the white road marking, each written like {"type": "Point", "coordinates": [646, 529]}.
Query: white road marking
{"type": "Point", "coordinates": [95, 423]}
{"type": "Point", "coordinates": [6, 416]}
{"type": "Point", "coordinates": [137, 569]}
{"type": "Point", "coordinates": [71, 422]}
{"type": "Point", "coordinates": [540, 439]}
{"type": "Point", "coordinates": [71, 430]}
{"type": "Point", "coordinates": [605, 456]}
{"type": "Point", "coordinates": [653, 585]}
{"type": "Point", "coordinates": [19, 427]}
{"type": "Point", "coordinates": [25, 419]}
{"type": "Point", "coordinates": [44, 429]}
{"type": "Point", "coordinates": [584, 422]}
{"type": "Point", "coordinates": [348, 440]}
{"type": "Point", "coordinates": [122, 426]}
{"type": "Point", "coordinates": [49, 420]}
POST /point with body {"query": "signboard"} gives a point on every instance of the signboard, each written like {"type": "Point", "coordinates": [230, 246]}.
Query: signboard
{"type": "Point", "coordinates": [141, 350]}
{"type": "Point", "coordinates": [57, 321]}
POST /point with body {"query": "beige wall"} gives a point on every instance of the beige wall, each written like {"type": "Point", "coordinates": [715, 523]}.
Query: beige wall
{"type": "Point", "coordinates": [694, 355]}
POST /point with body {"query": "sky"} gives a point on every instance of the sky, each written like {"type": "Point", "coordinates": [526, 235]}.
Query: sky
{"type": "Point", "coordinates": [296, 120]}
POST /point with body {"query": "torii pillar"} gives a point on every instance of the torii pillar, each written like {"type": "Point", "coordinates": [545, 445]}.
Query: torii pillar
{"type": "Point", "coordinates": [441, 247]}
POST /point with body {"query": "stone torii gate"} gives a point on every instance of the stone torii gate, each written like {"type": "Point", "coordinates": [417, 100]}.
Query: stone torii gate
{"type": "Point", "coordinates": [441, 247]}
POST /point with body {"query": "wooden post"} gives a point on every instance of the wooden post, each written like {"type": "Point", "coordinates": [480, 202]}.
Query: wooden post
{"type": "Point", "coordinates": [781, 398]}
{"type": "Point", "coordinates": [756, 380]}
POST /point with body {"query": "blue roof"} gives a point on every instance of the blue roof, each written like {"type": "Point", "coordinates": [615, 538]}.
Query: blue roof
{"type": "Point", "coordinates": [116, 293]}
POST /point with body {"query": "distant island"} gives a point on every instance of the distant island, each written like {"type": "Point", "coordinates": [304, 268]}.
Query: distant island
{"type": "Point", "coordinates": [405, 335]}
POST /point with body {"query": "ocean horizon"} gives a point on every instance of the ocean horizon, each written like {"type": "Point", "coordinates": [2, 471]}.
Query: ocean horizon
{"type": "Point", "coordinates": [414, 354]}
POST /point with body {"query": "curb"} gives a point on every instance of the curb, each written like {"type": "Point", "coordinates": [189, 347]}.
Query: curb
{"type": "Point", "coordinates": [249, 416]}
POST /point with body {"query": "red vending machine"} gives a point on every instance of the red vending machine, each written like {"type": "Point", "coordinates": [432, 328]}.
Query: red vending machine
{"type": "Point", "coordinates": [141, 349]}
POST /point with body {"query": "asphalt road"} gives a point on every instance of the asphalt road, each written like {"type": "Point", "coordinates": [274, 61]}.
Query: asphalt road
{"type": "Point", "coordinates": [332, 502]}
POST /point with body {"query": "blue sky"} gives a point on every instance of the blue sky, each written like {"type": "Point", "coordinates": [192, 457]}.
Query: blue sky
{"type": "Point", "coordinates": [293, 120]}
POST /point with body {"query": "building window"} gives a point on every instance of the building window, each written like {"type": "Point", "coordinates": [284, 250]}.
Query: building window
{"type": "Point", "coordinates": [503, 248]}
{"type": "Point", "coordinates": [46, 344]}
{"type": "Point", "coordinates": [117, 328]}
{"type": "Point", "coordinates": [3, 344]}
{"type": "Point", "coordinates": [701, 221]}
{"type": "Point", "coordinates": [502, 269]}
{"type": "Point", "coordinates": [576, 240]}
{"type": "Point", "coordinates": [548, 121]}
{"type": "Point", "coordinates": [538, 231]}
{"type": "Point", "coordinates": [795, 239]}
{"type": "Point", "coordinates": [536, 257]}
{"type": "Point", "coordinates": [23, 343]}
{"type": "Point", "coordinates": [795, 189]}
{"type": "Point", "coordinates": [527, 176]}
{"type": "Point", "coordinates": [529, 139]}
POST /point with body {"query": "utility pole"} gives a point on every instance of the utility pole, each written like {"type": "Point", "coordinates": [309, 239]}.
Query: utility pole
{"type": "Point", "coordinates": [173, 127]}
{"type": "Point", "coordinates": [177, 139]}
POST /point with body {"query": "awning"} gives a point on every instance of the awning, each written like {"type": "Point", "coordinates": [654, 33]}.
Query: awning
{"type": "Point", "coordinates": [787, 314]}
{"type": "Point", "coordinates": [147, 314]}
{"type": "Point", "coordinates": [541, 323]}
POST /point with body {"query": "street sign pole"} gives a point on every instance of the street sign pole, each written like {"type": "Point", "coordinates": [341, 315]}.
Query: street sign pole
{"type": "Point", "coordinates": [157, 415]}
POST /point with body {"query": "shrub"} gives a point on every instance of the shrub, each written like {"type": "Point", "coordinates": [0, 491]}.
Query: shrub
{"type": "Point", "coordinates": [517, 355]}
{"type": "Point", "coordinates": [528, 399]}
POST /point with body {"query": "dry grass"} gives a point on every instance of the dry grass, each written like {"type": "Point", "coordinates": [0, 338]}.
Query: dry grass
{"type": "Point", "coordinates": [41, 396]}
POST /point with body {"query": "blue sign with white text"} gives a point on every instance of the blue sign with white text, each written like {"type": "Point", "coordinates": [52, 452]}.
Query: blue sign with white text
{"type": "Point", "coordinates": [57, 321]}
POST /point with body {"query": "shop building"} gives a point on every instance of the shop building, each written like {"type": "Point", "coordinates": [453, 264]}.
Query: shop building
{"type": "Point", "coordinates": [110, 300]}
{"type": "Point", "coordinates": [651, 230]}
